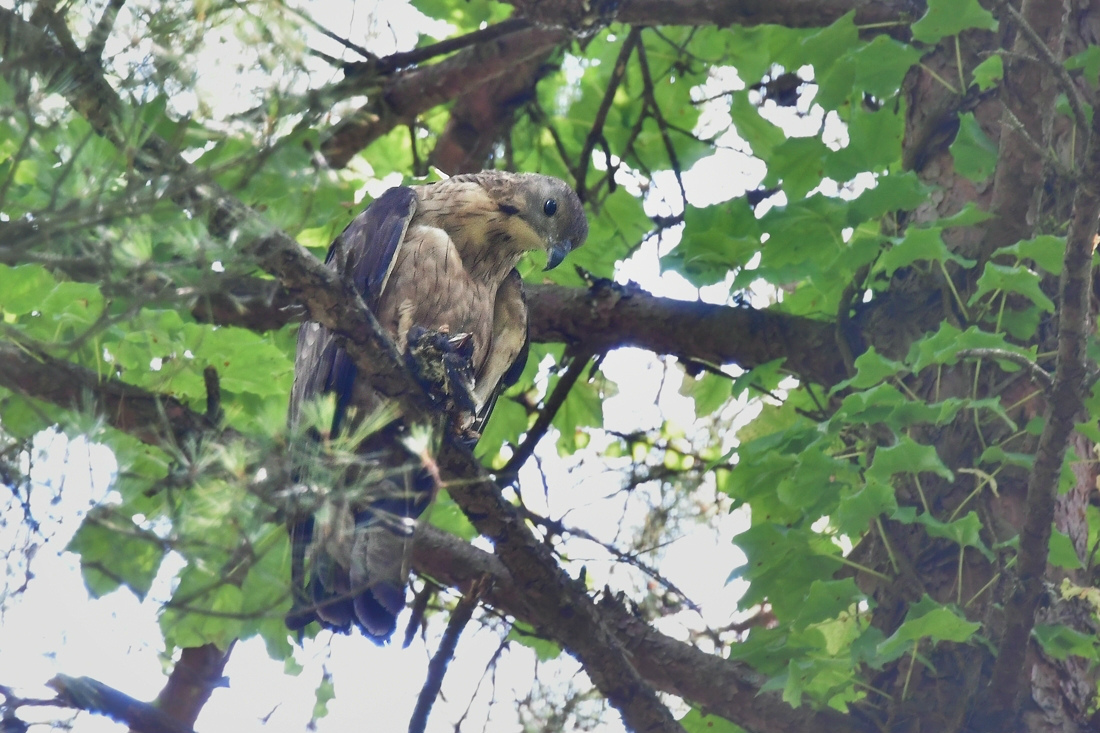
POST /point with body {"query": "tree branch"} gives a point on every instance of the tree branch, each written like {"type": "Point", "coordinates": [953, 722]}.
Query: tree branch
{"type": "Point", "coordinates": [407, 94]}
{"type": "Point", "coordinates": [722, 687]}
{"type": "Point", "coordinates": [95, 697]}
{"type": "Point", "coordinates": [460, 616]}
{"type": "Point", "coordinates": [577, 14]}
{"type": "Point", "coordinates": [1065, 402]}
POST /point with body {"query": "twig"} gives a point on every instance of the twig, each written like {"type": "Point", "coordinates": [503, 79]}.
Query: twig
{"type": "Point", "coordinates": [1040, 375]}
{"type": "Point", "coordinates": [460, 616]}
{"type": "Point", "coordinates": [617, 73]}
{"type": "Point", "coordinates": [213, 394]}
{"type": "Point", "coordinates": [546, 416]}
{"type": "Point", "coordinates": [1053, 64]}
{"type": "Point", "coordinates": [651, 99]}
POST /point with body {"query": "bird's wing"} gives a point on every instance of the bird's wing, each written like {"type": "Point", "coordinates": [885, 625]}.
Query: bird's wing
{"type": "Point", "coordinates": [365, 252]}
{"type": "Point", "coordinates": [508, 349]}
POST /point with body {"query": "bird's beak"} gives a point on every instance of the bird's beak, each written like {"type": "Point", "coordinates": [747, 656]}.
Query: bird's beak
{"type": "Point", "coordinates": [557, 253]}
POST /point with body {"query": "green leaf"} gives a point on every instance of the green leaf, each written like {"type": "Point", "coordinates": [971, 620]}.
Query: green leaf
{"type": "Point", "coordinates": [1046, 250]}
{"type": "Point", "coordinates": [949, 17]}
{"type": "Point", "coordinates": [827, 599]}
{"type": "Point", "coordinates": [22, 288]}
{"type": "Point", "coordinates": [762, 136]}
{"type": "Point", "coordinates": [583, 407]}
{"type": "Point", "coordinates": [114, 551]}
{"type": "Point", "coordinates": [799, 163]}
{"type": "Point", "coordinates": [1087, 61]}
{"type": "Point", "coordinates": [1062, 552]}
{"type": "Point", "coordinates": [907, 456]}
{"type": "Point", "coordinates": [894, 192]}
{"type": "Point", "coordinates": [544, 649]}
{"type": "Point", "coordinates": [943, 346]}
{"type": "Point", "coordinates": [871, 369]}
{"type": "Point", "coordinates": [989, 73]}
{"type": "Point", "coordinates": [698, 722]}
{"type": "Point", "coordinates": [881, 65]}
{"type": "Point", "coordinates": [1062, 642]}
{"type": "Point", "coordinates": [709, 391]}
{"type": "Point", "coordinates": [996, 278]}
{"type": "Point", "coordinates": [325, 693]}
{"type": "Point", "coordinates": [967, 216]}
{"type": "Point", "coordinates": [919, 244]}
{"type": "Point", "coordinates": [927, 619]}
{"type": "Point", "coordinates": [715, 240]}
{"type": "Point", "coordinates": [974, 153]}
{"type": "Point", "coordinates": [965, 531]}
{"type": "Point", "coordinates": [856, 512]}
{"type": "Point", "coordinates": [447, 515]}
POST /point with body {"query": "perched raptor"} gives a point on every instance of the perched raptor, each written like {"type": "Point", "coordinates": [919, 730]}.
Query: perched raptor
{"type": "Point", "coordinates": [438, 259]}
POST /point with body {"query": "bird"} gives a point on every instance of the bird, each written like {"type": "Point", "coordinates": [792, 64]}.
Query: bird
{"type": "Point", "coordinates": [436, 265]}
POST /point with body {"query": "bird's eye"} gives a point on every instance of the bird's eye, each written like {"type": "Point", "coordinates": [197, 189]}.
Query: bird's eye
{"type": "Point", "coordinates": [550, 207]}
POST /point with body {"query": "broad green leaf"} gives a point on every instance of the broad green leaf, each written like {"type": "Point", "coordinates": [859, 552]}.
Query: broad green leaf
{"type": "Point", "coordinates": [1088, 61]}
{"type": "Point", "coordinates": [1062, 552]}
{"type": "Point", "coordinates": [1046, 250]}
{"type": "Point", "coordinates": [544, 649]}
{"type": "Point", "coordinates": [799, 164]}
{"type": "Point", "coordinates": [709, 391]}
{"type": "Point", "coordinates": [113, 552]}
{"type": "Point", "coordinates": [974, 153]}
{"type": "Point", "coordinates": [996, 278]}
{"type": "Point", "coordinates": [22, 288]}
{"type": "Point", "coordinates": [967, 216]}
{"type": "Point", "coordinates": [949, 17]}
{"type": "Point", "coordinates": [1062, 642]}
{"type": "Point", "coordinates": [856, 512]}
{"type": "Point", "coordinates": [943, 346]}
{"type": "Point", "coordinates": [907, 456]}
{"type": "Point", "coordinates": [698, 722]}
{"type": "Point", "coordinates": [762, 136]}
{"type": "Point", "coordinates": [871, 369]}
{"type": "Point", "coordinates": [927, 620]}
{"type": "Point", "coordinates": [965, 531]}
{"type": "Point", "coordinates": [989, 73]}
{"type": "Point", "coordinates": [826, 599]}
{"type": "Point", "coordinates": [919, 244]}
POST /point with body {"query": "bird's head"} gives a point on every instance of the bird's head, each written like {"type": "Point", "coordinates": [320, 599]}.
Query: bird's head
{"type": "Point", "coordinates": [539, 213]}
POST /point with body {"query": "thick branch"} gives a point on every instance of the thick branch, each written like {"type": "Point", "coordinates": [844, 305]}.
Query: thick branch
{"type": "Point", "coordinates": [151, 418]}
{"type": "Point", "coordinates": [725, 688]}
{"type": "Point", "coordinates": [410, 93]}
{"type": "Point", "coordinates": [1066, 396]}
{"type": "Point", "coordinates": [577, 14]}
{"type": "Point", "coordinates": [95, 697]}
{"type": "Point", "coordinates": [194, 678]}
{"type": "Point", "coordinates": [600, 319]}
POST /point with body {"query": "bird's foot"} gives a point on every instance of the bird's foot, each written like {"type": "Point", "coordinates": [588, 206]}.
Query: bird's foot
{"type": "Point", "coordinates": [443, 364]}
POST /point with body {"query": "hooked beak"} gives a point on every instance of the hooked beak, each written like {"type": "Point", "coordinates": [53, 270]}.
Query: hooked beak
{"type": "Point", "coordinates": [557, 253]}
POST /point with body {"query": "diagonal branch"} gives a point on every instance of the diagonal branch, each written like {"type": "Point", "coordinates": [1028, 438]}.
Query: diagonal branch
{"type": "Point", "coordinates": [791, 13]}
{"type": "Point", "coordinates": [399, 99]}
{"type": "Point", "coordinates": [1064, 405]}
